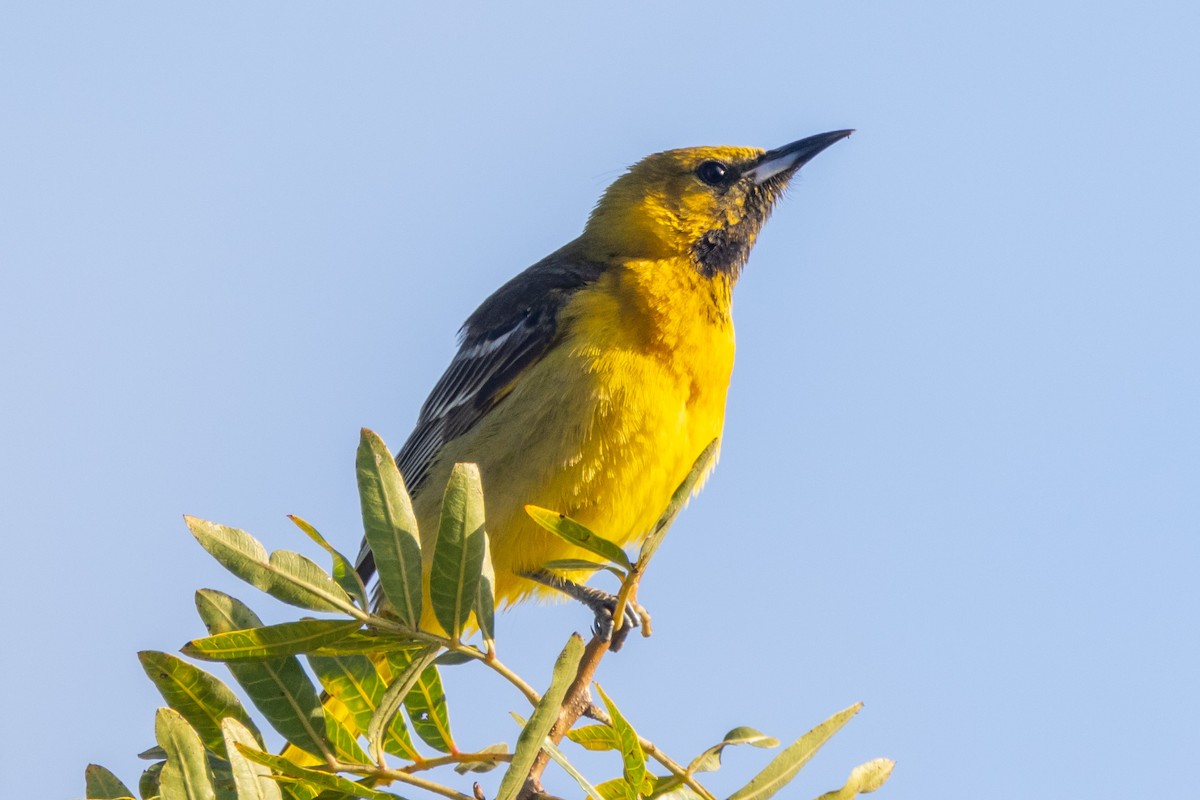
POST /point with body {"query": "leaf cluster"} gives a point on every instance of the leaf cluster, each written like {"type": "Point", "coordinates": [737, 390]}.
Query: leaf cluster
{"type": "Point", "coordinates": [376, 714]}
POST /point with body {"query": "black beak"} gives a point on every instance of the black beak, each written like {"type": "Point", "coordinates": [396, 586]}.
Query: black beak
{"type": "Point", "coordinates": [791, 157]}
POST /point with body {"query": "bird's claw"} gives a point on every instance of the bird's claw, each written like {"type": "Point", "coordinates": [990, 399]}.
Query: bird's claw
{"type": "Point", "coordinates": [634, 616]}
{"type": "Point", "coordinates": [602, 604]}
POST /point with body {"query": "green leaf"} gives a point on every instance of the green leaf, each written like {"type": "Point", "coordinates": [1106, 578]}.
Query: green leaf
{"type": "Point", "coordinates": [278, 687]}
{"type": "Point", "coordinates": [271, 641]}
{"type": "Point", "coordinates": [103, 785]}
{"type": "Point", "coordinates": [485, 596]}
{"type": "Point", "coordinates": [427, 710]}
{"type": "Point", "coordinates": [287, 576]}
{"type": "Point", "coordinates": [202, 699]}
{"type": "Point", "coordinates": [452, 658]}
{"type": "Point", "coordinates": [314, 777]}
{"type": "Point", "coordinates": [750, 736]}
{"type": "Point", "coordinates": [405, 672]}
{"type": "Point", "coordinates": [458, 551]}
{"type": "Point", "coordinates": [578, 534]}
{"type": "Point", "coordinates": [691, 484]}
{"type": "Point", "coordinates": [357, 684]}
{"type": "Point", "coordinates": [864, 779]}
{"type": "Point", "coordinates": [785, 765]}
{"type": "Point", "coordinates": [710, 759]}
{"type": "Point", "coordinates": [544, 716]}
{"type": "Point", "coordinates": [484, 764]}
{"type": "Point", "coordinates": [595, 737]}
{"type": "Point", "coordinates": [632, 758]}
{"type": "Point", "coordinates": [343, 570]}
{"type": "Point", "coordinates": [343, 741]}
{"type": "Point", "coordinates": [251, 780]}
{"type": "Point", "coordinates": [301, 582]}
{"type": "Point", "coordinates": [186, 775]}
{"type": "Point", "coordinates": [668, 787]}
{"type": "Point", "coordinates": [154, 753]}
{"type": "Point", "coordinates": [616, 789]}
{"type": "Point", "coordinates": [391, 527]}
{"type": "Point", "coordinates": [370, 642]}
{"type": "Point", "coordinates": [570, 769]}
{"type": "Point", "coordinates": [148, 783]}
{"type": "Point", "coordinates": [294, 789]}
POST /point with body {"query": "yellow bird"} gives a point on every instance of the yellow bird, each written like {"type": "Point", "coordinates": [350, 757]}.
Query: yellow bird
{"type": "Point", "coordinates": [591, 382]}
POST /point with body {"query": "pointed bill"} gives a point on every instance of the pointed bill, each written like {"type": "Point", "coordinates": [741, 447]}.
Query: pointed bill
{"type": "Point", "coordinates": [792, 157]}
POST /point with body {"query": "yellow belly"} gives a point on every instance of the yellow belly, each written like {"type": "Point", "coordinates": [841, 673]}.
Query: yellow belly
{"type": "Point", "coordinates": [603, 428]}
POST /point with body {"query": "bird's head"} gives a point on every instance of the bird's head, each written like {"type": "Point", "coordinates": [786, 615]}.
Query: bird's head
{"type": "Point", "coordinates": [704, 203]}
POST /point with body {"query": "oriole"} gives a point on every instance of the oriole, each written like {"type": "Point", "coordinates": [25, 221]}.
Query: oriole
{"type": "Point", "coordinates": [590, 382]}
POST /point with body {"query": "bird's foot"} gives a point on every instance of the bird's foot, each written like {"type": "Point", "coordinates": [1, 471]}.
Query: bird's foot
{"type": "Point", "coordinates": [602, 604]}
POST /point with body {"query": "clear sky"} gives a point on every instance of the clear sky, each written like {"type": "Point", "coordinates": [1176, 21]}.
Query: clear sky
{"type": "Point", "coordinates": [960, 472]}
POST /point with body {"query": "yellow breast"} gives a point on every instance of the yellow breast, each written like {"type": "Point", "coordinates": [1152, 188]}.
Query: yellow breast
{"type": "Point", "coordinates": [608, 423]}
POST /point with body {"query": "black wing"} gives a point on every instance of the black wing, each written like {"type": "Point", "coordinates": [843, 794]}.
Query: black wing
{"type": "Point", "coordinates": [506, 335]}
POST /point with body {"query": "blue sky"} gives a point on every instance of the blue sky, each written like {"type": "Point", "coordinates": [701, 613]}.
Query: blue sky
{"type": "Point", "coordinates": [960, 470]}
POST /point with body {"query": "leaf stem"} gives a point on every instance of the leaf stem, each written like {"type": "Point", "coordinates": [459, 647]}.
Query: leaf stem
{"type": "Point", "coordinates": [454, 758]}
{"type": "Point", "coordinates": [390, 775]}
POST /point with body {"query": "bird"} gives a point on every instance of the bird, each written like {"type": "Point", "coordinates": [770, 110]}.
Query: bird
{"type": "Point", "coordinates": [590, 383]}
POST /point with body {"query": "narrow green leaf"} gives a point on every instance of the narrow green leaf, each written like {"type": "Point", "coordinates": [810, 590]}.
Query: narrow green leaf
{"type": "Point", "coordinates": [354, 681]}
{"type": "Point", "coordinates": [148, 783]}
{"type": "Point", "coordinates": [864, 779]}
{"type": "Point", "coordinates": [103, 785]}
{"type": "Point", "coordinates": [710, 759]}
{"type": "Point", "coordinates": [427, 710]}
{"type": "Point", "coordinates": [484, 764]}
{"type": "Point", "coordinates": [701, 467]}
{"type": "Point", "coordinates": [632, 758]}
{"type": "Point", "coordinates": [186, 775]}
{"type": "Point", "coordinates": [570, 769]}
{"type": "Point", "coordinates": [595, 737]}
{"type": "Point", "coordinates": [668, 787]}
{"type": "Point", "coordinates": [314, 777]}
{"type": "Point", "coordinates": [154, 753]}
{"type": "Point", "coordinates": [202, 699]}
{"type": "Point", "coordinates": [271, 641]}
{"type": "Point", "coordinates": [578, 534]}
{"type": "Point", "coordinates": [370, 642]}
{"type": "Point", "coordinates": [300, 581]}
{"type": "Point", "coordinates": [390, 526]}
{"type": "Point", "coordinates": [458, 551]}
{"type": "Point", "coordinates": [452, 658]}
{"type": "Point", "coordinates": [278, 687]}
{"type": "Point", "coordinates": [343, 570]}
{"type": "Point", "coordinates": [616, 789]}
{"type": "Point", "coordinates": [295, 789]}
{"type": "Point", "coordinates": [343, 741]}
{"type": "Point", "coordinates": [784, 766]}
{"type": "Point", "coordinates": [405, 672]}
{"type": "Point", "coordinates": [750, 736]}
{"type": "Point", "coordinates": [485, 597]}
{"type": "Point", "coordinates": [358, 686]}
{"type": "Point", "coordinates": [289, 577]}
{"type": "Point", "coordinates": [251, 780]}
{"type": "Point", "coordinates": [544, 715]}
{"type": "Point", "coordinates": [236, 550]}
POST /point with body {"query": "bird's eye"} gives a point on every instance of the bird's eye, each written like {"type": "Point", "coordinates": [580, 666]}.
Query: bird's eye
{"type": "Point", "coordinates": [712, 172]}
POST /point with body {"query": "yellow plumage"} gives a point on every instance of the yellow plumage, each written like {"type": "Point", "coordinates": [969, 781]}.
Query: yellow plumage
{"type": "Point", "coordinates": [604, 427]}
{"type": "Point", "coordinates": [590, 383]}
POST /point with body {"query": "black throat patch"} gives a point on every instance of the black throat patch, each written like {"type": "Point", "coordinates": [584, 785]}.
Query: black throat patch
{"type": "Point", "coordinates": [725, 250]}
